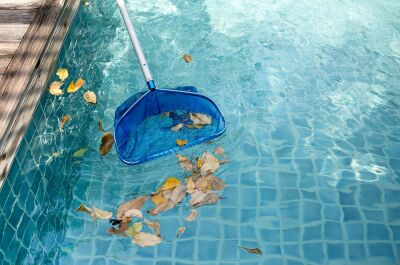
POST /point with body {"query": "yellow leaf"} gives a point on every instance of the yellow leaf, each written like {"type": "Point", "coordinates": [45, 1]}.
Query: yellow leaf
{"type": "Point", "coordinates": [55, 88]}
{"type": "Point", "coordinates": [158, 198]}
{"type": "Point", "coordinates": [199, 162]}
{"type": "Point", "coordinates": [134, 229]}
{"type": "Point", "coordinates": [169, 184]}
{"type": "Point", "coordinates": [181, 142]}
{"type": "Point", "coordinates": [62, 73]}
{"type": "Point", "coordinates": [81, 152]}
{"type": "Point", "coordinates": [102, 214]}
{"type": "Point", "coordinates": [64, 119]}
{"type": "Point", "coordinates": [73, 87]}
{"type": "Point", "coordinates": [107, 142]}
{"type": "Point", "coordinates": [56, 154]}
{"type": "Point", "coordinates": [90, 97]}
{"type": "Point", "coordinates": [187, 58]}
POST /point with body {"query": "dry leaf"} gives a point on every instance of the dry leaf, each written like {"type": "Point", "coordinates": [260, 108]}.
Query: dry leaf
{"type": "Point", "coordinates": [64, 119]}
{"type": "Point", "coordinates": [177, 127]}
{"type": "Point", "coordinates": [81, 152]}
{"type": "Point", "coordinates": [192, 216]}
{"type": "Point", "coordinates": [134, 229]}
{"type": "Point", "coordinates": [169, 184]}
{"type": "Point", "coordinates": [73, 87]}
{"type": "Point", "coordinates": [199, 162]}
{"type": "Point", "coordinates": [224, 161]}
{"type": "Point", "coordinates": [181, 142]}
{"type": "Point", "coordinates": [219, 151]}
{"type": "Point", "coordinates": [136, 203]}
{"type": "Point", "coordinates": [194, 126]}
{"type": "Point", "coordinates": [190, 186]}
{"type": "Point", "coordinates": [181, 230]}
{"type": "Point", "coordinates": [187, 58]}
{"type": "Point", "coordinates": [203, 184]}
{"type": "Point", "coordinates": [106, 143]}
{"type": "Point", "coordinates": [215, 182]}
{"type": "Point", "coordinates": [55, 88]}
{"type": "Point", "coordinates": [62, 73]}
{"type": "Point", "coordinates": [153, 225]}
{"type": "Point", "coordinates": [85, 209]}
{"type": "Point", "coordinates": [56, 154]}
{"type": "Point", "coordinates": [200, 198]}
{"type": "Point", "coordinates": [162, 208]}
{"type": "Point", "coordinates": [146, 239]}
{"type": "Point", "coordinates": [100, 126]}
{"type": "Point", "coordinates": [158, 198]}
{"type": "Point", "coordinates": [115, 231]}
{"type": "Point", "coordinates": [90, 97]}
{"type": "Point", "coordinates": [132, 213]}
{"type": "Point", "coordinates": [252, 250]}
{"type": "Point", "coordinates": [210, 164]}
{"type": "Point", "coordinates": [200, 118]}
{"type": "Point", "coordinates": [185, 163]}
{"type": "Point", "coordinates": [178, 194]}
{"type": "Point", "coordinates": [102, 214]}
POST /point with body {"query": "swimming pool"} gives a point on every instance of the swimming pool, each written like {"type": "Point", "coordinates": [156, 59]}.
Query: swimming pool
{"type": "Point", "coordinates": [309, 90]}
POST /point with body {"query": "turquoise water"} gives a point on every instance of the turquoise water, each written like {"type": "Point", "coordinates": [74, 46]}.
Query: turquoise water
{"type": "Point", "coordinates": [309, 90]}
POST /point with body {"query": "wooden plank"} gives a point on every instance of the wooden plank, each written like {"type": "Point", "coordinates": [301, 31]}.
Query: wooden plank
{"type": "Point", "coordinates": [26, 76]}
{"type": "Point", "coordinates": [8, 16]}
{"type": "Point", "coordinates": [21, 4]}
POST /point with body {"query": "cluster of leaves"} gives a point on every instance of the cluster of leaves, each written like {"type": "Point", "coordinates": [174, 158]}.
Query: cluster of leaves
{"type": "Point", "coordinates": [90, 97]}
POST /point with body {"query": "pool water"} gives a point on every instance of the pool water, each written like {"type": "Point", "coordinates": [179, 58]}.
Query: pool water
{"type": "Point", "coordinates": [309, 90]}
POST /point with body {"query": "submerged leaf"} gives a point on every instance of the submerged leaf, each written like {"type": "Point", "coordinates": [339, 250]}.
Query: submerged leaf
{"type": "Point", "coordinates": [169, 184]}
{"type": "Point", "coordinates": [136, 203]}
{"type": "Point", "coordinates": [134, 229]}
{"type": "Point", "coordinates": [219, 151]}
{"type": "Point", "coordinates": [210, 164]}
{"type": "Point", "coordinates": [146, 239]}
{"type": "Point", "coordinates": [190, 186]}
{"type": "Point", "coordinates": [177, 127]}
{"type": "Point", "coordinates": [256, 251]}
{"type": "Point", "coordinates": [192, 215]}
{"type": "Point", "coordinates": [181, 142]}
{"type": "Point", "coordinates": [100, 126]}
{"type": "Point", "coordinates": [153, 225]}
{"type": "Point", "coordinates": [56, 154]}
{"type": "Point", "coordinates": [185, 163]}
{"type": "Point", "coordinates": [107, 142]}
{"type": "Point", "coordinates": [85, 209]}
{"type": "Point", "coordinates": [215, 182]}
{"type": "Point", "coordinates": [115, 231]}
{"type": "Point", "coordinates": [200, 198]}
{"type": "Point", "coordinates": [203, 184]}
{"type": "Point", "coordinates": [187, 58]}
{"type": "Point", "coordinates": [158, 198]}
{"type": "Point", "coordinates": [178, 194]}
{"type": "Point", "coordinates": [180, 231]}
{"type": "Point", "coordinates": [64, 119]}
{"type": "Point", "coordinates": [81, 152]}
{"type": "Point", "coordinates": [132, 213]}
{"type": "Point", "coordinates": [162, 208]}
{"type": "Point", "coordinates": [200, 118]}
{"type": "Point", "coordinates": [90, 97]}
{"type": "Point", "coordinates": [102, 214]}
{"type": "Point", "coordinates": [62, 73]}
{"type": "Point", "coordinates": [55, 88]}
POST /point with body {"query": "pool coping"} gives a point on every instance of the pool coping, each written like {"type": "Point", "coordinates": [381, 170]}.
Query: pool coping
{"type": "Point", "coordinates": [24, 80]}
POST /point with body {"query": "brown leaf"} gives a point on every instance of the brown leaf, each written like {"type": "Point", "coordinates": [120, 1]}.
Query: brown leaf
{"type": "Point", "coordinates": [115, 231]}
{"type": "Point", "coordinates": [178, 194]}
{"type": "Point", "coordinates": [215, 182]}
{"type": "Point", "coordinates": [145, 239]}
{"type": "Point", "coordinates": [55, 88]}
{"type": "Point", "coordinates": [192, 215]}
{"type": "Point", "coordinates": [100, 126]}
{"type": "Point", "coordinates": [107, 142]}
{"type": "Point", "coordinates": [210, 164]}
{"type": "Point", "coordinates": [200, 118]}
{"type": "Point", "coordinates": [256, 251]}
{"type": "Point", "coordinates": [190, 186]}
{"type": "Point", "coordinates": [224, 161]}
{"type": "Point", "coordinates": [85, 209]}
{"type": "Point", "coordinates": [180, 231]}
{"type": "Point", "coordinates": [200, 198]}
{"type": "Point", "coordinates": [186, 164]}
{"type": "Point", "coordinates": [177, 127]}
{"type": "Point", "coordinates": [64, 119]}
{"type": "Point", "coordinates": [153, 225]}
{"type": "Point", "coordinates": [102, 214]}
{"type": "Point", "coordinates": [194, 126]}
{"type": "Point", "coordinates": [187, 58]}
{"type": "Point", "coordinates": [136, 203]}
{"type": "Point", "coordinates": [203, 184]}
{"type": "Point", "coordinates": [220, 151]}
{"type": "Point", "coordinates": [90, 97]}
{"type": "Point", "coordinates": [162, 208]}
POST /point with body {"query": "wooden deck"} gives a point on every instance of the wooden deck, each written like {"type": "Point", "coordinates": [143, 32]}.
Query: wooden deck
{"type": "Point", "coordinates": [31, 34]}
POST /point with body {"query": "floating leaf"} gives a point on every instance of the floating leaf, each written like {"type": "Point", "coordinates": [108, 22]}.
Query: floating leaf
{"type": "Point", "coordinates": [158, 198]}
{"type": "Point", "coordinates": [178, 194]}
{"type": "Point", "coordinates": [219, 151]}
{"type": "Point", "coordinates": [181, 230]}
{"type": "Point", "coordinates": [146, 239]}
{"type": "Point", "coordinates": [132, 213]}
{"type": "Point", "coordinates": [177, 127]}
{"type": "Point", "coordinates": [85, 209]}
{"type": "Point", "coordinates": [200, 198]}
{"type": "Point", "coordinates": [134, 229]}
{"type": "Point", "coordinates": [73, 87]}
{"type": "Point", "coordinates": [200, 118]}
{"type": "Point", "coordinates": [107, 142]}
{"type": "Point", "coordinates": [190, 186]}
{"type": "Point", "coordinates": [203, 184]}
{"type": "Point", "coordinates": [169, 184]}
{"type": "Point", "coordinates": [185, 163]}
{"type": "Point", "coordinates": [136, 203]}
{"type": "Point", "coordinates": [90, 97]}
{"type": "Point", "coordinates": [216, 183]}
{"type": "Point", "coordinates": [56, 154]}
{"type": "Point", "coordinates": [162, 208]}
{"type": "Point", "coordinates": [187, 58]}
{"type": "Point", "coordinates": [115, 231]}
{"type": "Point", "coordinates": [181, 142]}
{"type": "Point", "coordinates": [210, 164]}
{"type": "Point", "coordinates": [252, 250]}
{"type": "Point", "coordinates": [55, 88]}
{"type": "Point", "coordinates": [81, 152]}
{"type": "Point", "coordinates": [102, 214]}
{"type": "Point", "coordinates": [192, 215]}
{"type": "Point", "coordinates": [62, 73]}
{"type": "Point", "coordinates": [153, 225]}
{"type": "Point", "coordinates": [100, 126]}
{"type": "Point", "coordinates": [199, 162]}
{"type": "Point", "coordinates": [64, 119]}
{"type": "Point", "coordinates": [224, 161]}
